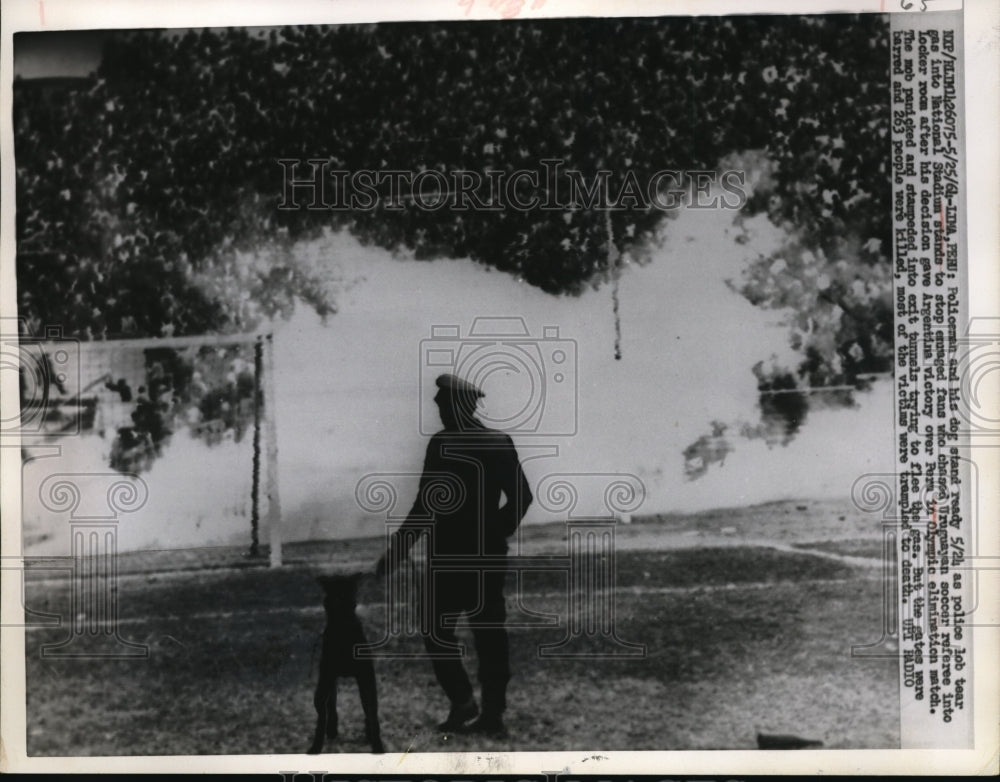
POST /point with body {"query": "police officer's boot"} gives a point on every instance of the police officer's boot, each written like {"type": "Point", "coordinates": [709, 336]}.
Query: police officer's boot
{"type": "Point", "coordinates": [460, 714]}
{"type": "Point", "coordinates": [491, 721]}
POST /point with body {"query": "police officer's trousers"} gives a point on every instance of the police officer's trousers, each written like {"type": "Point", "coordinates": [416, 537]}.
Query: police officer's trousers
{"type": "Point", "coordinates": [479, 596]}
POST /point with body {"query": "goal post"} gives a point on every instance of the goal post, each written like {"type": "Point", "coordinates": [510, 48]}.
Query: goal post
{"type": "Point", "coordinates": [266, 346]}
{"type": "Point", "coordinates": [129, 399]}
{"type": "Point", "coordinates": [264, 389]}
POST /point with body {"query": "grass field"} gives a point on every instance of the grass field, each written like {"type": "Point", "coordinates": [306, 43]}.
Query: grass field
{"type": "Point", "coordinates": [747, 626]}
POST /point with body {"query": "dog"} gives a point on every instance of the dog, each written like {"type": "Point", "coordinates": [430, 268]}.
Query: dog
{"type": "Point", "coordinates": [342, 634]}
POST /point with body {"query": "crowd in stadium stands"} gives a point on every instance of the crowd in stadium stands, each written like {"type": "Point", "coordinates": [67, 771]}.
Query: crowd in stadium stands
{"type": "Point", "coordinates": [136, 181]}
{"type": "Point", "coordinates": [143, 189]}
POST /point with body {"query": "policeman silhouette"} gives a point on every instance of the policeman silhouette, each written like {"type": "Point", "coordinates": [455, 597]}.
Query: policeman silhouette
{"type": "Point", "coordinates": [487, 496]}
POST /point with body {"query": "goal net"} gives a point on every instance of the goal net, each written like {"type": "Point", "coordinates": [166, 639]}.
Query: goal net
{"type": "Point", "coordinates": [192, 417]}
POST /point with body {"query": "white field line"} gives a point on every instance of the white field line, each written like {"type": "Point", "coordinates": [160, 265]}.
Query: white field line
{"type": "Point", "coordinates": [372, 609]}
{"type": "Point", "coordinates": [320, 566]}
{"type": "Point", "coordinates": [870, 562]}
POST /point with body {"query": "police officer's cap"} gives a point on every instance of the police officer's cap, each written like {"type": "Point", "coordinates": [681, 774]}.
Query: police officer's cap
{"type": "Point", "coordinates": [454, 384]}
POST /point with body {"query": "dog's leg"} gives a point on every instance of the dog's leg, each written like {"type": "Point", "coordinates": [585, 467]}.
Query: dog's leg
{"type": "Point", "coordinates": [325, 691]}
{"type": "Point", "coordinates": [331, 711]}
{"type": "Point", "coordinates": [369, 703]}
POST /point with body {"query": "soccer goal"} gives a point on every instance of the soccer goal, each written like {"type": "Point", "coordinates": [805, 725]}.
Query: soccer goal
{"type": "Point", "coordinates": [194, 417]}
